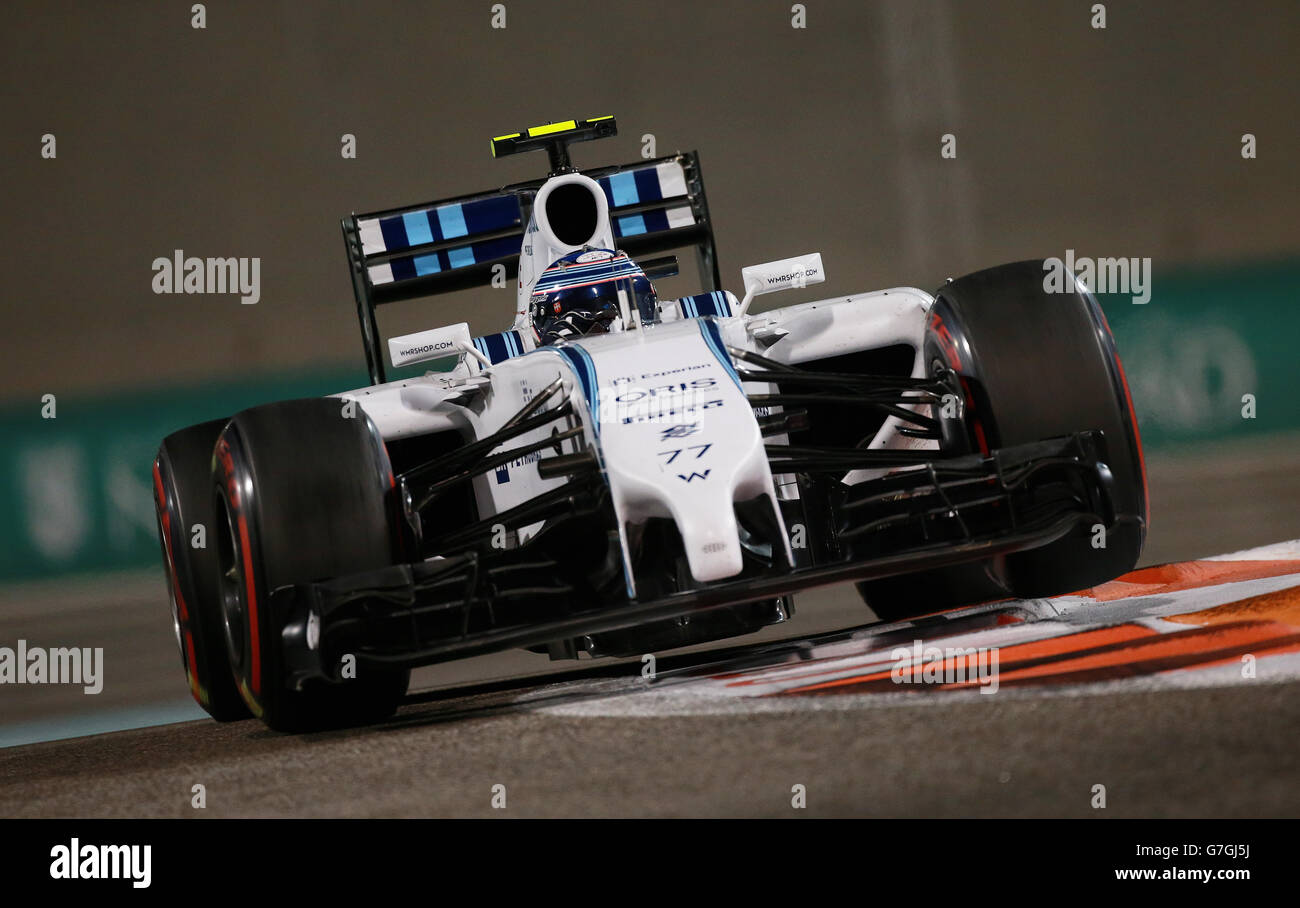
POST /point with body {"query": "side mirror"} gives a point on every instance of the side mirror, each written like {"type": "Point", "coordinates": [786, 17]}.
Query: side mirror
{"type": "Point", "coordinates": [785, 274]}
{"type": "Point", "coordinates": [425, 346]}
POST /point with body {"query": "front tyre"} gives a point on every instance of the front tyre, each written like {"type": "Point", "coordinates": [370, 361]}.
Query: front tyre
{"type": "Point", "coordinates": [1037, 364]}
{"type": "Point", "coordinates": [302, 494]}
{"type": "Point", "coordinates": [1031, 364]}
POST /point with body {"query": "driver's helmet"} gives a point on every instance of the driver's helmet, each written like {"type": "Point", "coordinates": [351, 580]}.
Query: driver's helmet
{"type": "Point", "coordinates": [577, 295]}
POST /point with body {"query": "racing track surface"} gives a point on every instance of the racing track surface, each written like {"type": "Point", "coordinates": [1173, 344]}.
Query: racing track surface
{"type": "Point", "coordinates": [1138, 686]}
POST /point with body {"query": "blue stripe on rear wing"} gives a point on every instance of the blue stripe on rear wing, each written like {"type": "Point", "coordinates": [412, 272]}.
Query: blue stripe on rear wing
{"type": "Point", "coordinates": [440, 238]}
{"type": "Point", "coordinates": [651, 199]}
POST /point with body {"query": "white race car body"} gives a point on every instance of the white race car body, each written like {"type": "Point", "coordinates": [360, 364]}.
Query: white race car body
{"type": "Point", "coordinates": [661, 406]}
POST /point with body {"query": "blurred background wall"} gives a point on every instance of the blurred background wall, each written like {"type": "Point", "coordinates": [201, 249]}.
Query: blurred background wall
{"type": "Point", "coordinates": [225, 141]}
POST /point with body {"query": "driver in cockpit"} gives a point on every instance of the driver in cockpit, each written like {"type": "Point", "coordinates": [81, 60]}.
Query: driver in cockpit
{"type": "Point", "coordinates": [587, 292]}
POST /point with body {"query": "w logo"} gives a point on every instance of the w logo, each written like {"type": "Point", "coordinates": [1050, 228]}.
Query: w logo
{"type": "Point", "coordinates": [704, 475]}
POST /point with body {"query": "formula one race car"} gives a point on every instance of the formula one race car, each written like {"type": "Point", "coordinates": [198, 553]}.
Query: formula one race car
{"type": "Point", "coordinates": [618, 474]}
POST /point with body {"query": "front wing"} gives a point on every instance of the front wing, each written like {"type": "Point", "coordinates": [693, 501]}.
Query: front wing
{"type": "Point", "coordinates": [948, 512]}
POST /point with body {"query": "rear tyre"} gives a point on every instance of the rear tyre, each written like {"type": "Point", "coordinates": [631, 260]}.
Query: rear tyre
{"type": "Point", "coordinates": [1032, 365]}
{"type": "Point", "coordinates": [182, 485]}
{"type": "Point", "coordinates": [302, 494]}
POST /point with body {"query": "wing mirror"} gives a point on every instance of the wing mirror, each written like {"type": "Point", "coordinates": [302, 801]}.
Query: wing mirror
{"type": "Point", "coordinates": [785, 274]}
{"type": "Point", "coordinates": [451, 342]}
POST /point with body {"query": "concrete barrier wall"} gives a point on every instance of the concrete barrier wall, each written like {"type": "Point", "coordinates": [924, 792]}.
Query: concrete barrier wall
{"type": "Point", "coordinates": [1213, 355]}
{"type": "Point", "coordinates": [75, 489]}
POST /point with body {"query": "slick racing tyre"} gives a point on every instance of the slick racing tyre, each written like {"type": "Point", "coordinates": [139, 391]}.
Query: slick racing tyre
{"type": "Point", "coordinates": [182, 486]}
{"type": "Point", "coordinates": [1032, 364]}
{"type": "Point", "coordinates": [301, 492]}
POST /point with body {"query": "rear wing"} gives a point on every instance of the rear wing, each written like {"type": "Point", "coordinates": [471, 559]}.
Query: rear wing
{"type": "Point", "coordinates": [458, 243]}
